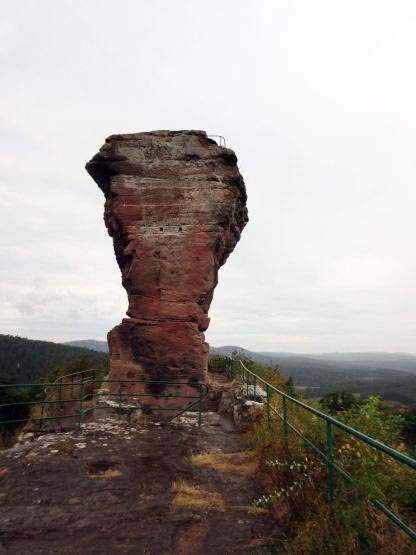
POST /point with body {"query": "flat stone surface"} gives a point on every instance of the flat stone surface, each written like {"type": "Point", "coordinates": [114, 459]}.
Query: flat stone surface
{"type": "Point", "coordinates": [107, 489]}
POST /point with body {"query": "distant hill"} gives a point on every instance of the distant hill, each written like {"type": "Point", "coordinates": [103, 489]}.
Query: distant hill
{"type": "Point", "coordinates": [27, 360]}
{"type": "Point", "coordinates": [392, 375]}
{"type": "Point", "coordinates": [92, 344]}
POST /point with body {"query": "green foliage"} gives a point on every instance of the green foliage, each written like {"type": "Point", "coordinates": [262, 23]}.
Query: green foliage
{"type": "Point", "coordinates": [217, 363]}
{"type": "Point", "coordinates": [295, 482]}
{"type": "Point", "coordinates": [24, 403]}
{"type": "Point", "coordinates": [289, 386]}
{"type": "Point", "coordinates": [336, 402]}
{"type": "Point", "coordinates": [14, 398]}
{"type": "Point", "coordinates": [29, 360]}
{"type": "Point", "coordinates": [409, 426]}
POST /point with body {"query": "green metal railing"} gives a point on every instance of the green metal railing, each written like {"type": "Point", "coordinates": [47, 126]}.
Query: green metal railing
{"type": "Point", "coordinates": [73, 378]}
{"type": "Point", "coordinates": [61, 394]}
{"type": "Point", "coordinates": [266, 390]}
{"type": "Point", "coordinates": [220, 137]}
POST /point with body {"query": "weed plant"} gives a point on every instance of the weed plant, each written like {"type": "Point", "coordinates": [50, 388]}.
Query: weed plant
{"type": "Point", "coordinates": [295, 481]}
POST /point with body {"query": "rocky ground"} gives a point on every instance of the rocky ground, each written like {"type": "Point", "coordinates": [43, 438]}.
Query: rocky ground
{"type": "Point", "coordinates": [148, 489]}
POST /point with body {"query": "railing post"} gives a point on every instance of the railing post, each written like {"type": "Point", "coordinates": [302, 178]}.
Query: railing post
{"type": "Point", "coordinates": [285, 430]}
{"type": "Point", "coordinates": [119, 401]}
{"type": "Point", "coordinates": [60, 402]}
{"type": "Point", "coordinates": [329, 459]}
{"type": "Point", "coordinates": [254, 389]}
{"type": "Point", "coordinates": [268, 404]}
{"type": "Point", "coordinates": [81, 399]}
{"type": "Point", "coordinates": [42, 411]}
{"type": "Point", "coordinates": [72, 387]}
{"type": "Point", "coordinates": [200, 405]}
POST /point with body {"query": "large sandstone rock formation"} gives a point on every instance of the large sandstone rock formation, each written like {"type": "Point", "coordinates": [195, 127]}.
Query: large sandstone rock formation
{"type": "Point", "coordinates": [175, 207]}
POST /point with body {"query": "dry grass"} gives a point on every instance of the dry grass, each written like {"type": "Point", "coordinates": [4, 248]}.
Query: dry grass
{"type": "Point", "coordinates": [66, 449]}
{"type": "Point", "coordinates": [109, 473]}
{"type": "Point", "coordinates": [37, 457]}
{"type": "Point", "coordinates": [242, 463]}
{"type": "Point", "coordinates": [259, 542]}
{"type": "Point", "coordinates": [250, 509]}
{"type": "Point", "coordinates": [196, 497]}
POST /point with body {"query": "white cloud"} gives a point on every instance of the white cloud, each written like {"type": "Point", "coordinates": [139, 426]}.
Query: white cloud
{"type": "Point", "coordinates": [316, 98]}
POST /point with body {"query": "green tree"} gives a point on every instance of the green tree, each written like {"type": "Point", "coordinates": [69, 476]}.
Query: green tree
{"type": "Point", "coordinates": [339, 401]}
{"type": "Point", "coordinates": [409, 425]}
{"type": "Point", "coordinates": [12, 407]}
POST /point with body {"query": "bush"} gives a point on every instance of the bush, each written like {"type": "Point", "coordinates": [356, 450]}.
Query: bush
{"type": "Point", "coordinates": [295, 482]}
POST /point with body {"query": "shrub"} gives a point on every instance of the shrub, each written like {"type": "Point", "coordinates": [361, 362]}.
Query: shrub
{"type": "Point", "coordinates": [295, 482]}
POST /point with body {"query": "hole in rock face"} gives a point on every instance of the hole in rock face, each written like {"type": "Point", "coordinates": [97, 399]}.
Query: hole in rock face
{"type": "Point", "coordinates": [180, 229]}
{"type": "Point", "coordinates": [103, 469]}
{"type": "Point", "coordinates": [161, 228]}
{"type": "Point", "coordinates": [156, 388]}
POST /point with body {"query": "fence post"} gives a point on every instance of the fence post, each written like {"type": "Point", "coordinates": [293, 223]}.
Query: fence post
{"type": "Point", "coordinates": [81, 399]}
{"type": "Point", "coordinates": [119, 400]}
{"type": "Point", "coordinates": [268, 404]}
{"type": "Point", "coordinates": [60, 389]}
{"type": "Point", "coordinates": [42, 410]}
{"type": "Point", "coordinates": [329, 459]}
{"type": "Point", "coordinates": [200, 405]}
{"type": "Point", "coordinates": [255, 387]}
{"type": "Point", "coordinates": [285, 431]}
{"type": "Point", "coordinates": [72, 387]}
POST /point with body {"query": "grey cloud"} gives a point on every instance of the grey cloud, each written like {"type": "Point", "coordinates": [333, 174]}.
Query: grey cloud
{"type": "Point", "coordinates": [316, 98]}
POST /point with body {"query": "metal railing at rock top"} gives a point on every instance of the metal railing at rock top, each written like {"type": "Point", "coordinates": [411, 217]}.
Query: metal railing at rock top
{"type": "Point", "coordinates": [261, 388]}
{"type": "Point", "coordinates": [220, 137]}
{"type": "Point", "coordinates": [54, 397]}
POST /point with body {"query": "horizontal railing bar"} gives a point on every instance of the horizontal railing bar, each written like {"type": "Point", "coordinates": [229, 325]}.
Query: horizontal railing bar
{"type": "Point", "coordinates": [393, 518]}
{"type": "Point", "coordinates": [362, 437]}
{"type": "Point", "coordinates": [184, 410]}
{"type": "Point", "coordinates": [156, 409]}
{"type": "Point", "coordinates": [165, 382]}
{"type": "Point", "coordinates": [36, 419]}
{"type": "Point", "coordinates": [90, 380]}
{"type": "Point", "coordinates": [306, 440]}
{"type": "Point", "coordinates": [154, 395]}
{"type": "Point", "coordinates": [359, 435]}
{"type": "Point", "coordinates": [42, 385]}
{"type": "Point", "coordinates": [47, 402]}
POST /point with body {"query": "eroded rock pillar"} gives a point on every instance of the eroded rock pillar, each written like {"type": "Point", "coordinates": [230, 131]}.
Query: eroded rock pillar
{"type": "Point", "coordinates": [175, 207]}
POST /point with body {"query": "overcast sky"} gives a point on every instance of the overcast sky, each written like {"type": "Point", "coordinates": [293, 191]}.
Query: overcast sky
{"type": "Point", "coordinates": [317, 98]}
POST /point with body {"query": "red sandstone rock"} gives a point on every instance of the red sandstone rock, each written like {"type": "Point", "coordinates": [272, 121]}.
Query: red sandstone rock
{"type": "Point", "coordinates": [175, 207]}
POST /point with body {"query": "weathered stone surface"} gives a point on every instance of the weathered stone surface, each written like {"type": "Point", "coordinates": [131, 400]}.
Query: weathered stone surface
{"type": "Point", "coordinates": [175, 207]}
{"type": "Point", "coordinates": [106, 490]}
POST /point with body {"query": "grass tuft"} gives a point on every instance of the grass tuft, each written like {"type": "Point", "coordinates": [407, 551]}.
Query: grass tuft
{"type": "Point", "coordinates": [109, 473]}
{"type": "Point", "coordinates": [243, 462]}
{"type": "Point", "coordinates": [196, 497]}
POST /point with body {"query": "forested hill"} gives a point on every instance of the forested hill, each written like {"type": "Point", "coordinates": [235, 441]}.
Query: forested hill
{"type": "Point", "coordinates": [27, 360]}
{"type": "Point", "coordinates": [391, 375]}
{"type": "Point", "coordinates": [89, 344]}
